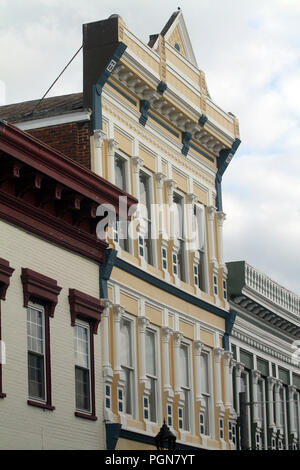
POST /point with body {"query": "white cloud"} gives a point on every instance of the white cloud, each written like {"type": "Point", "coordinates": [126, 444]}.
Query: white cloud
{"type": "Point", "coordinates": [2, 93]}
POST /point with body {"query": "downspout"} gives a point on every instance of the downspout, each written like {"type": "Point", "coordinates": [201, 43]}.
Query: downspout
{"type": "Point", "coordinates": [222, 163]}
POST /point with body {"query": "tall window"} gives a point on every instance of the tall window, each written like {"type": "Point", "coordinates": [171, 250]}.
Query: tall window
{"type": "Point", "coordinates": [199, 227]}
{"type": "Point", "coordinates": [296, 413]}
{"type": "Point", "coordinates": [151, 371]}
{"type": "Point", "coordinates": [121, 233]}
{"type": "Point", "coordinates": [36, 352]}
{"type": "Point", "coordinates": [145, 200]}
{"type": "Point", "coordinates": [179, 234]}
{"type": "Point", "coordinates": [245, 387]}
{"type": "Point", "coordinates": [127, 363]}
{"type": "Point", "coordinates": [185, 383]}
{"type": "Point", "coordinates": [82, 367]}
{"type": "Point", "coordinates": [205, 391]}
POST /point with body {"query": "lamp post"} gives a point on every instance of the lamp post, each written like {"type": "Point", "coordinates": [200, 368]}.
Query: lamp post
{"type": "Point", "coordinates": [165, 439]}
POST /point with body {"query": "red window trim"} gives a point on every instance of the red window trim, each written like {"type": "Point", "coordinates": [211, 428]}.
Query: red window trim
{"type": "Point", "coordinates": [89, 309]}
{"type": "Point", "coordinates": [45, 291]}
{"type": "Point", "coordinates": [5, 275]}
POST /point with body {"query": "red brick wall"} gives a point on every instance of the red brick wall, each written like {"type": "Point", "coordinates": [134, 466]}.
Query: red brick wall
{"type": "Point", "coordinates": [70, 139]}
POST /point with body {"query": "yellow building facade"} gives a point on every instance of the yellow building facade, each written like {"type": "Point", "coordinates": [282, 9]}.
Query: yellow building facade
{"type": "Point", "coordinates": [158, 135]}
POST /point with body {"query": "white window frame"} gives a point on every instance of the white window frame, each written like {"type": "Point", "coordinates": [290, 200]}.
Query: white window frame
{"type": "Point", "coordinates": [188, 344]}
{"type": "Point", "coordinates": [87, 326]}
{"type": "Point", "coordinates": [134, 401]}
{"type": "Point", "coordinates": [247, 382]}
{"type": "Point", "coordinates": [151, 217]}
{"type": "Point", "coordinates": [154, 330]}
{"type": "Point", "coordinates": [119, 153]}
{"type": "Point", "coordinates": [284, 425]}
{"type": "Point", "coordinates": [263, 409]}
{"type": "Point", "coordinates": [203, 254]}
{"type": "Point", "coordinates": [39, 308]}
{"type": "Point", "coordinates": [210, 396]}
{"type": "Point", "coordinates": [185, 264]}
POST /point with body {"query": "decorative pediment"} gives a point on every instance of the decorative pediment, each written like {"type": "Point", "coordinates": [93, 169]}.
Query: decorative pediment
{"type": "Point", "coordinates": [176, 34]}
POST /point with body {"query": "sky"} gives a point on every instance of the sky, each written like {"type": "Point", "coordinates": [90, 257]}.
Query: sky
{"type": "Point", "coordinates": [250, 52]}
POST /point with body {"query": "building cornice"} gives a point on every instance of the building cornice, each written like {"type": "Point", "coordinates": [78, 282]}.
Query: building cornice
{"type": "Point", "coordinates": [48, 194]}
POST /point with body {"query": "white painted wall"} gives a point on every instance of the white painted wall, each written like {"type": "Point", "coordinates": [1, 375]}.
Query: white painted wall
{"type": "Point", "coordinates": [23, 426]}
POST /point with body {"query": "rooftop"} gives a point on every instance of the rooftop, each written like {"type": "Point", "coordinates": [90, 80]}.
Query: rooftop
{"type": "Point", "coordinates": [53, 106]}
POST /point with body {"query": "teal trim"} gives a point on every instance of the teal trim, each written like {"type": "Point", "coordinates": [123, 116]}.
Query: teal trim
{"type": "Point", "coordinates": [166, 287]}
{"type": "Point", "coordinates": [161, 87]}
{"type": "Point", "coordinates": [144, 108]}
{"type": "Point", "coordinates": [202, 120]}
{"type": "Point", "coordinates": [229, 322]}
{"type": "Point", "coordinates": [98, 87]}
{"type": "Point", "coordinates": [161, 123]}
{"type": "Point", "coordinates": [222, 163]}
{"type": "Point", "coordinates": [112, 435]}
{"type": "Point", "coordinates": [105, 271]}
{"type": "Point", "coordinates": [131, 100]}
{"type": "Point", "coordinates": [186, 137]}
{"type": "Point", "coordinates": [202, 153]}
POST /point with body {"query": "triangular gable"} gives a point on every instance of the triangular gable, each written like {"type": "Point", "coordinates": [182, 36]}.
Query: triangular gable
{"type": "Point", "coordinates": [176, 34]}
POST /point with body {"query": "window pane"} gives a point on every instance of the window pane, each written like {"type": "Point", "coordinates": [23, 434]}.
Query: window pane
{"type": "Point", "coordinates": [35, 330]}
{"type": "Point", "coordinates": [152, 400]}
{"type": "Point", "coordinates": [184, 366]}
{"type": "Point", "coordinates": [260, 399]}
{"type": "Point", "coordinates": [126, 349]}
{"type": "Point", "coordinates": [82, 383]}
{"type": "Point", "coordinates": [150, 353]}
{"type": "Point", "coordinates": [204, 374]}
{"type": "Point", "coordinates": [36, 376]}
{"type": "Point", "coordinates": [120, 179]}
{"type": "Point", "coordinates": [128, 390]}
{"type": "Point", "coordinates": [206, 415]}
{"type": "Point", "coordinates": [186, 411]}
{"type": "Point", "coordinates": [81, 344]}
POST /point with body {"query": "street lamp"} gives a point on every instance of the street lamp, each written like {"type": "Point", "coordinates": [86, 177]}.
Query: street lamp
{"type": "Point", "coordinates": [165, 439]}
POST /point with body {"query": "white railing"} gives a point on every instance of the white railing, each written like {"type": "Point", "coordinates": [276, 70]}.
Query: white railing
{"type": "Point", "coordinates": [271, 290]}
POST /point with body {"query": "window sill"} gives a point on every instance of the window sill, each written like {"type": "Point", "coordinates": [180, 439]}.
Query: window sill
{"type": "Point", "coordinates": [2, 395]}
{"type": "Point", "coordinates": [85, 416]}
{"type": "Point", "coordinates": [40, 405]}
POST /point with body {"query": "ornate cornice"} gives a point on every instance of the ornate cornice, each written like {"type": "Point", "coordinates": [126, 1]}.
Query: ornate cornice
{"type": "Point", "coordinates": [48, 194]}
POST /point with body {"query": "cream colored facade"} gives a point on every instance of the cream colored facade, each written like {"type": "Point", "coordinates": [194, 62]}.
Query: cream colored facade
{"type": "Point", "coordinates": [141, 302]}
{"type": "Point", "coordinates": [27, 427]}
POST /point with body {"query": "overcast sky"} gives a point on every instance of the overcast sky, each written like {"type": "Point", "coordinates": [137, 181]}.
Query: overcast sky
{"type": "Point", "coordinates": [250, 52]}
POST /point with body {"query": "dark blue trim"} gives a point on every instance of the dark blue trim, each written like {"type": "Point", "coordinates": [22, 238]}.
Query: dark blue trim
{"type": "Point", "coordinates": [161, 123]}
{"type": "Point", "coordinates": [131, 100]}
{"type": "Point", "coordinates": [169, 288]}
{"type": "Point", "coordinates": [186, 137]}
{"type": "Point", "coordinates": [149, 440]}
{"type": "Point", "coordinates": [105, 270]}
{"type": "Point", "coordinates": [202, 120]}
{"type": "Point", "coordinates": [144, 108]}
{"type": "Point", "coordinates": [112, 435]}
{"type": "Point", "coordinates": [229, 322]}
{"type": "Point", "coordinates": [202, 153]}
{"type": "Point", "coordinates": [161, 87]}
{"type": "Point", "coordinates": [222, 163]}
{"type": "Point", "coordinates": [97, 88]}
